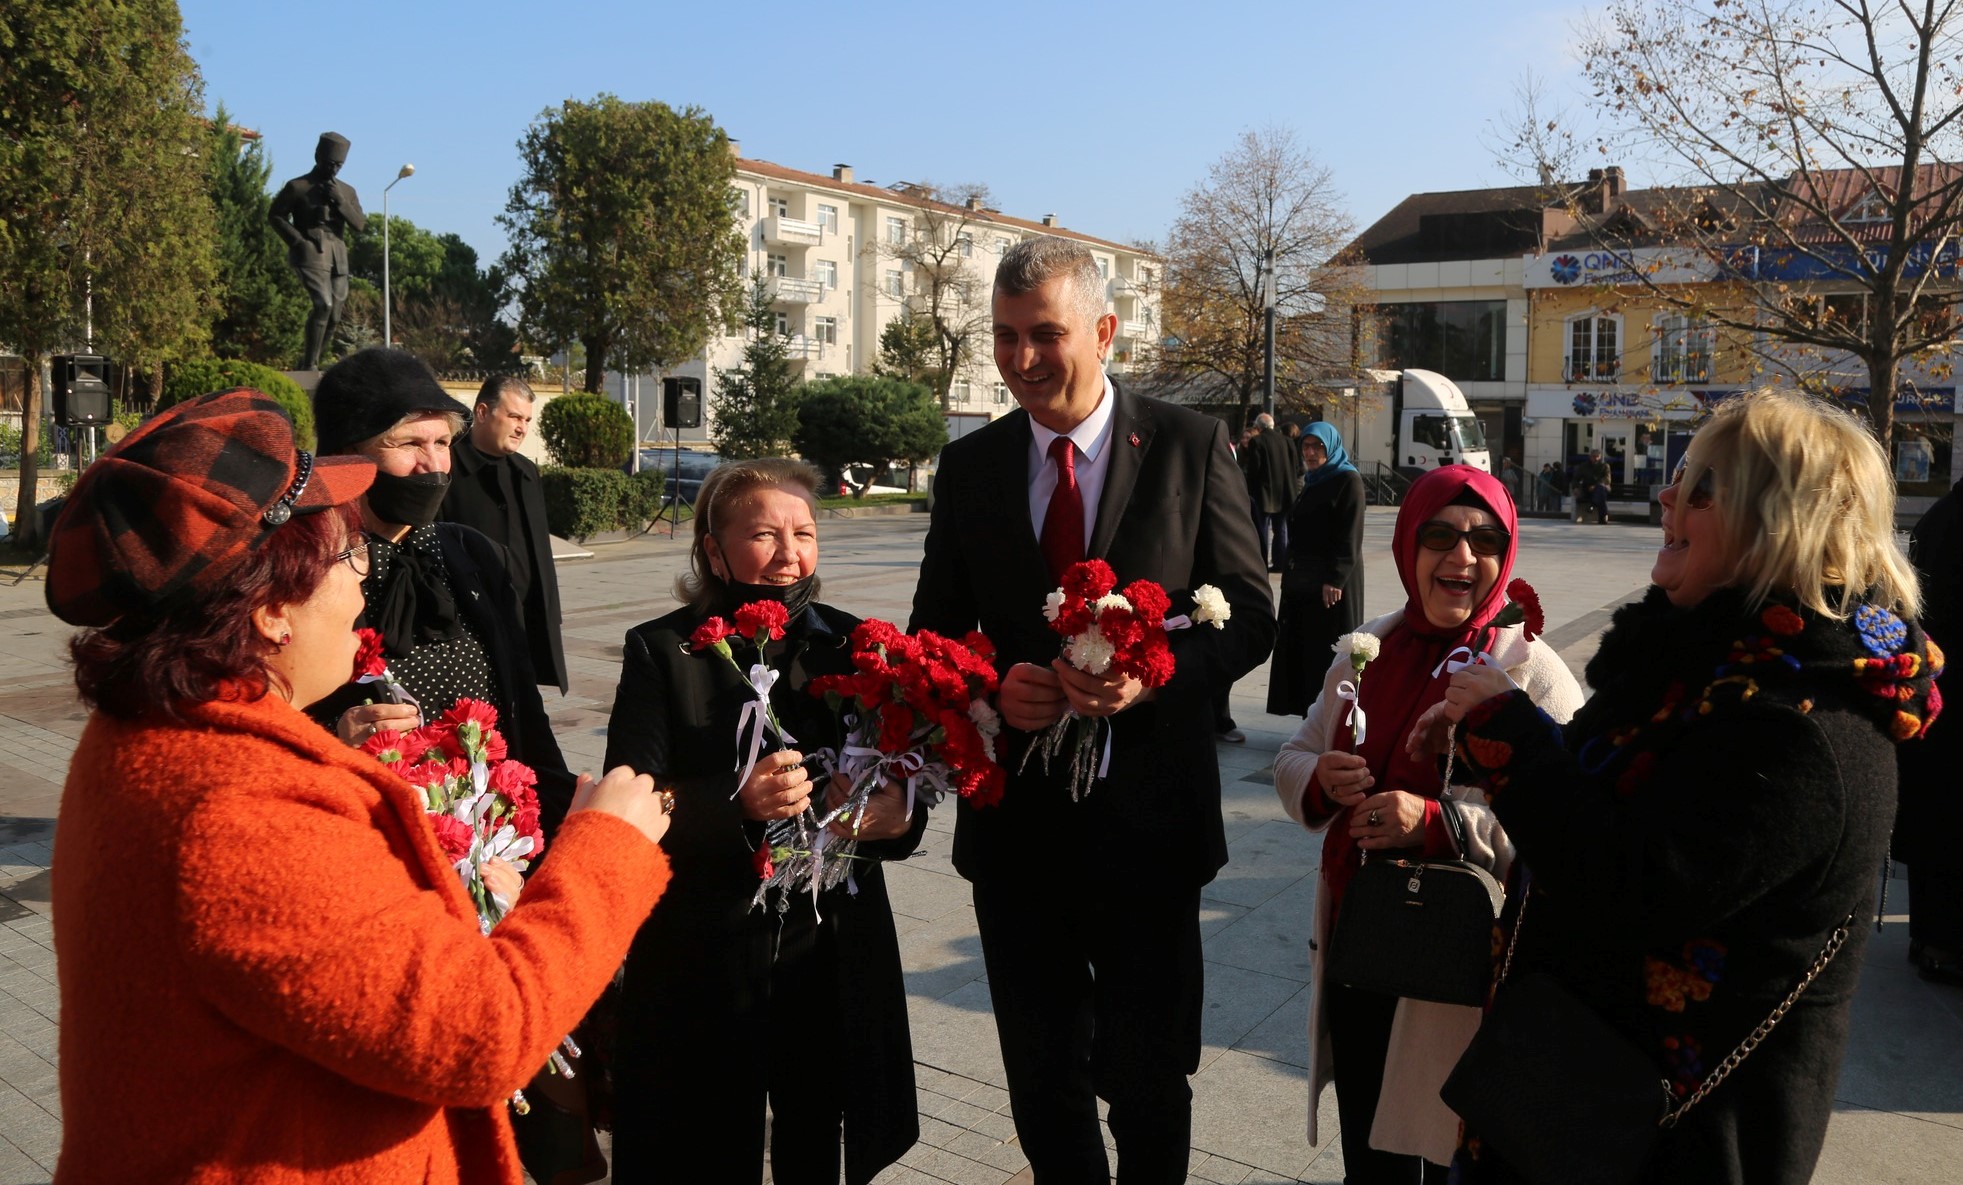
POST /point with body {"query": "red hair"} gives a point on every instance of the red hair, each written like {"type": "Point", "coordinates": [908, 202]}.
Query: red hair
{"type": "Point", "coordinates": [208, 648]}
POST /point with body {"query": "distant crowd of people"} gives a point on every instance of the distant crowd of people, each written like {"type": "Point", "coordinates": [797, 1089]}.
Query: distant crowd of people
{"type": "Point", "coordinates": [271, 971]}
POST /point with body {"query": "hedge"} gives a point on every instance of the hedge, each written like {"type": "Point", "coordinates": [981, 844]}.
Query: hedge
{"type": "Point", "coordinates": [581, 503]}
{"type": "Point", "coordinates": [585, 431]}
{"type": "Point", "coordinates": [188, 380]}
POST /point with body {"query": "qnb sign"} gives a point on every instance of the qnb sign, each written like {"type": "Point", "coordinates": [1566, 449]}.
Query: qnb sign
{"type": "Point", "coordinates": [1573, 269]}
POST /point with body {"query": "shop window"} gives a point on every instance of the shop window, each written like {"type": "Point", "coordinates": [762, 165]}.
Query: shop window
{"type": "Point", "coordinates": [1922, 459]}
{"type": "Point", "coordinates": [1683, 350]}
{"type": "Point", "coordinates": [1464, 340]}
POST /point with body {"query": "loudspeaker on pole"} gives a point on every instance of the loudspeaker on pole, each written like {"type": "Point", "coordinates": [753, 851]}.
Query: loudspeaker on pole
{"type": "Point", "coordinates": [681, 402]}
{"type": "Point", "coordinates": [81, 389]}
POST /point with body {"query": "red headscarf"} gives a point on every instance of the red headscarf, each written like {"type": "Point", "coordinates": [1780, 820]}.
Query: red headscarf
{"type": "Point", "coordinates": [1398, 685]}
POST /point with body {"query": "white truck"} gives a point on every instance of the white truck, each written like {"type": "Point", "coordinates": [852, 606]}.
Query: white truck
{"type": "Point", "coordinates": [1431, 424]}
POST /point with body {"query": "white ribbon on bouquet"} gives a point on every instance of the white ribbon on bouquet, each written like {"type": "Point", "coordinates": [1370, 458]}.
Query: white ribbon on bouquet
{"type": "Point", "coordinates": [1347, 691]}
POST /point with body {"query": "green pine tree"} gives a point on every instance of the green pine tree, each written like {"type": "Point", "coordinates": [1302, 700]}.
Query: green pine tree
{"type": "Point", "coordinates": [754, 407]}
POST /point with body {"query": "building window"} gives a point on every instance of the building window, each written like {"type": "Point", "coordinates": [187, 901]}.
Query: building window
{"type": "Point", "coordinates": [783, 325]}
{"type": "Point", "coordinates": [1001, 247]}
{"type": "Point", "coordinates": [1103, 268]}
{"type": "Point", "coordinates": [1464, 340]}
{"type": "Point", "coordinates": [967, 247]}
{"type": "Point", "coordinates": [742, 267]}
{"type": "Point", "coordinates": [828, 218]}
{"type": "Point", "coordinates": [894, 284]}
{"type": "Point", "coordinates": [780, 207]}
{"type": "Point", "coordinates": [1594, 349]}
{"type": "Point", "coordinates": [896, 232]}
{"type": "Point", "coordinates": [1683, 350]}
{"type": "Point", "coordinates": [826, 273]}
{"type": "Point", "coordinates": [1001, 393]}
{"type": "Point", "coordinates": [777, 265]}
{"type": "Point", "coordinates": [959, 392]}
{"type": "Point", "coordinates": [1144, 275]}
{"type": "Point", "coordinates": [825, 329]}
{"type": "Point", "coordinates": [743, 202]}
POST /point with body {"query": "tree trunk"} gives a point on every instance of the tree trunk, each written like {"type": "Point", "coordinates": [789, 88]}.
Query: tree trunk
{"type": "Point", "coordinates": [1884, 374]}
{"type": "Point", "coordinates": [26, 530]}
{"type": "Point", "coordinates": [596, 363]}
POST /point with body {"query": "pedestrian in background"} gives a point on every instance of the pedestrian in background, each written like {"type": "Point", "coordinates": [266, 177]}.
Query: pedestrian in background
{"type": "Point", "coordinates": [269, 969]}
{"type": "Point", "coordinates": [1273, 491]}
{"type": "Point", "coordinates": [496, 489]}
{"type": "Point", "coordinates": [1322, 590]}
{"type": "Point", "coordinates": [1931, 816]}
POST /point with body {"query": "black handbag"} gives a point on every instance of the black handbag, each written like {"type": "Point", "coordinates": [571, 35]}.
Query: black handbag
{"type": "Point", "coordinates": [1561, 1095]}
{"type": "Point", "coordinates": [1418, 928]}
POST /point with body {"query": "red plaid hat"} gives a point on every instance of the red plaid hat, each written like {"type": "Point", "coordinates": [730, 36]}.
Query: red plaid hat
{"type": "Point", "coordinates": [164, 515]}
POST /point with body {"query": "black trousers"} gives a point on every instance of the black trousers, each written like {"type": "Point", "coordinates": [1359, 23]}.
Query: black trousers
{"type": "Point", "coordinates": [1359, 1041]}
{"type": "Point", "coordinates": [693, 1112]}
{"type": "Point", "coordinates": [1096, 988]}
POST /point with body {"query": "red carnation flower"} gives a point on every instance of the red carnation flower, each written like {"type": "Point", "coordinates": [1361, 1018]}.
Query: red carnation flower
{"type": "Point", "coordinates": [513, 779]}
{"type": "Point", "coordinates": [426, 773]}
{"type": "Point", "coordinates": [453, 835]}
{"type": "Point", "coordinates": [1089, 579]}
{"type": "Point", "coordinates": [760, 860]}
{"type": "Point", "coordinates": [979, 645]}
{"type": "Point", "coordinates": [895, 727]}
{"type": "Point", "coordinates": [471, 711]}
{"type": "Point", "coordinates": [709, 633]}
{"type": "Point", "coordinates": [1522, 594]}
{"type": "Point", "coordinates": [385, 745]}
{"type": "Point", "coordinates": [1148, 600]}
{"type": "Point", "coordinates": [759, 618]}
{"type": "Point", "coordinates": [369, 659]}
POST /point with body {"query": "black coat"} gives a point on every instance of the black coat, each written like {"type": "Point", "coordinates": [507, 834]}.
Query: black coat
{"type": "Point", "coordinates": [1694, 835]}
{"type": "Point", "coordinates": [1173, 510]}
{"type": "Point", "coordinates": [1325, 546]}
{"type": "Point", "coordinates": [1932, 810]}
{"type": "Point", "coordinates": [697, 1021]}
{"type": "Point", "coordinates": [486, 607]}
{"type": "Point", "coordinates": [476, 500]}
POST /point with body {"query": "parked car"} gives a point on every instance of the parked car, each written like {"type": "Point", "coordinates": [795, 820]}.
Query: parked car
{"type": "Point", "coordinates": [695, 465]}
{"type": "Point", "coordinates": [887, 481]}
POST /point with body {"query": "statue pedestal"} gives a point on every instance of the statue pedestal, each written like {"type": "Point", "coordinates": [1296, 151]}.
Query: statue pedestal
{"type": "Point", "coordinates": [307, 380]}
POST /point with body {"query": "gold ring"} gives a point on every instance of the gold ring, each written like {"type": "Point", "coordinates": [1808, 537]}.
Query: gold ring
{"type": "Point", "coordinates": [667, 798]}
{"type": "Point", "coordinates": [1374, 819]}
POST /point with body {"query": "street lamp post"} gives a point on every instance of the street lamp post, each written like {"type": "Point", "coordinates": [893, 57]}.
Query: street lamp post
{"type": "Point", "coordinates": [1267, 297]}
{"type": "Point", "coordinates": [388, 326]}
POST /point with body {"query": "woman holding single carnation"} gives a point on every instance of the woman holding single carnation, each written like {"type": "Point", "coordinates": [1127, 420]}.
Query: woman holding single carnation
{"type": "Point", "coordinates": [270, 972]}
{"type": "Point", "coordinates": [1702, 838]}
{"type": "Point", "coordinates": [726, 1010]}
{"type": "Point", "coordinates": [1454, 545]}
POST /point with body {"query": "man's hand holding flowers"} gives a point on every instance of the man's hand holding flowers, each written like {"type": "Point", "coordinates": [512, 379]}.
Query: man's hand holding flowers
{"type": "Point", "coordinates": [778, 788]}
{"type": "Point", "coordinates": [1098, 695]}
{"type": "Point", "coordinates": [1032, 697]}
{"type": "Point", "coordinates": [884, 815]}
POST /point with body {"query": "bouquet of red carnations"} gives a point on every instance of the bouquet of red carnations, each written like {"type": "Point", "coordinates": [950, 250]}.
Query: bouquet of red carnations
{"type": "Point", "coordinates": [917, 712]}
{"type": "Point", "coordinates": [759, 623]}
{"type": "Point", "coordinates": [1105, 629]}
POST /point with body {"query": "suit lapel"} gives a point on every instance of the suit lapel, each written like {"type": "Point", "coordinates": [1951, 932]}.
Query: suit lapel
{"type": "Point", "coordinates": [1131, 438]}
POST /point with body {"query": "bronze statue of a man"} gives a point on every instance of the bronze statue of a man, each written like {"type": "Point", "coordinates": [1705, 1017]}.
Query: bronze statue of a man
{"type": "Point", "coordinates": [309, 212]}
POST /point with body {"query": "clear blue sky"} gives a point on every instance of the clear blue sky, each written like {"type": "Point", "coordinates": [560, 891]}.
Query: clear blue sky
{"type": "Point", "coordinates": [1103, 113]}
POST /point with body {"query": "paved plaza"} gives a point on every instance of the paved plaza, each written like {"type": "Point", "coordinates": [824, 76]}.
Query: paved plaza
{"type": "Point", "coordinates": [1899, 1116]}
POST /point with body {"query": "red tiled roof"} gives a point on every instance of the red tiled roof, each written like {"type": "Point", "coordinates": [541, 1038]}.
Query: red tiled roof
{"type": "Point", "coordinates": [764, 168]}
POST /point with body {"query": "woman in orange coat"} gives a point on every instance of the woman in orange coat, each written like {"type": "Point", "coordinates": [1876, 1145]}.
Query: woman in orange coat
{"type": "Point", "coordinates": [269, 971]}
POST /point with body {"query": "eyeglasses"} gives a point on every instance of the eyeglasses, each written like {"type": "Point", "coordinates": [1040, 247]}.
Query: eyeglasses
{"type": "Point", "coordinates": [356, 558]}
{"type": "Point", "coordinates": [1698, 497]}
{"type": "Point", "coordinates": [1439, 536]}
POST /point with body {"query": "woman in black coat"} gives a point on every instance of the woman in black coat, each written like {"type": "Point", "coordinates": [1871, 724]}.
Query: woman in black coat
{"type": "Point", "coordinates": [1709, 825]}
{"type": "Point", "coordinates": [724, 1007]}
{"type": "Point", "coordinates": [1322, 590]}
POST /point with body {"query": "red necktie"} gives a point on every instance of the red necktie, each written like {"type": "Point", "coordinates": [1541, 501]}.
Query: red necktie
{"type": "Point", "coordinates": [1063, 522]}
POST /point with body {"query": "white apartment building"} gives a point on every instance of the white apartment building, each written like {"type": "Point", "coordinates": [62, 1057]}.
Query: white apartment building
{"type": "Point", "coordinates": [843, 258]}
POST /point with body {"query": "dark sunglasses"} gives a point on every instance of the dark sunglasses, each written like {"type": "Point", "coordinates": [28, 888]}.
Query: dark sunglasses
{"type": "Point", "coordinates": [1697, 497]}
{"type": "Point", "coordinates": [1438, 536]}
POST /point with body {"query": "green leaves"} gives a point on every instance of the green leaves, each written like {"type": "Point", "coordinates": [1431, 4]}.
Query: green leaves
{"type": "Point", "coordinates": [867, 420]}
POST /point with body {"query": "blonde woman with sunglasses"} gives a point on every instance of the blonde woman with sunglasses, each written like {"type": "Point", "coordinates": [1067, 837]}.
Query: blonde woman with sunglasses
{"type": "Point", "coordinates": [1346, 774]}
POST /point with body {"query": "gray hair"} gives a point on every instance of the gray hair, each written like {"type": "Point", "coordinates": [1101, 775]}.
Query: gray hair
{"type": "Point", "coordinates": [1265, 420]}
{"type": "Point", "coordinates": [1033, 263]}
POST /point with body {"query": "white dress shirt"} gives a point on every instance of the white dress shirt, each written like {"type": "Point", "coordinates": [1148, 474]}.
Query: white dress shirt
{"type": "Point", "coordinates": [1091, 437]}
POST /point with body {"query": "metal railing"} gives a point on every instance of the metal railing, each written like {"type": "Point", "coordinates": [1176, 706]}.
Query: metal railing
{"type": "Point", "coordinates": [794, 290]}
{"type": "Point", "coordinates": [1384, 486]}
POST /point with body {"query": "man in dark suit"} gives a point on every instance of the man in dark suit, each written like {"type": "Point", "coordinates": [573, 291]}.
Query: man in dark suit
{"type": "Point", "coordinates": [1275, 493]}
{"type": "Point", "coordinates": [496, 490]}
{"type": "Point", "coordinates": [1089, 910]}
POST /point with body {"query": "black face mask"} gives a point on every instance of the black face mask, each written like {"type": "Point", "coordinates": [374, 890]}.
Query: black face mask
{"type": "Point", "coordinates": [411, 501]}
{"type": "Point", "coordinates": [795, 596]}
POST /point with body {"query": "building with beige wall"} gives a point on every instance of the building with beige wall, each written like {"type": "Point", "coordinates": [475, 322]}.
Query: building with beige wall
{"type": "Point", "coordinates": [844, 257]}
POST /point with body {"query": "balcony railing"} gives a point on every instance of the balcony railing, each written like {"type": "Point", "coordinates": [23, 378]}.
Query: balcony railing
{"type": "Point", "coordinates": [1136, 330]}
{"type": "Point", "coordinates": [1123, 287]}
{"type": "Point", "coordinates": [793, 290]}
{"type": "Point", "coordinates": [1594, 370]}
{"type": "Point", "coordinates": [796, 231]}
{"type": "Point", "coordinates": [802, 347]}
{"type": "Point", "coordinates": [1681, 368]}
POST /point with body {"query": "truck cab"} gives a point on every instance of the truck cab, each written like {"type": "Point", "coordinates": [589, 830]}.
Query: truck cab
{"type": "Point", "coordinates": [1434, 425]}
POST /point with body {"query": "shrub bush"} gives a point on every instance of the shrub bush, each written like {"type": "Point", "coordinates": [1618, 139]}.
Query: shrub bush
{"type": "Point", "coordinates": [585, 431]}
{"type": "Point", "coordinates": [188, 380]}
{"type": "Point", "coordinates": [643, 502]}
{"type": "Point", "coordinates": [581, 503]}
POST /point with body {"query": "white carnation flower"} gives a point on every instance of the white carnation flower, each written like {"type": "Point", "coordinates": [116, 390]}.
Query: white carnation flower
{"type": "Point", "coordinates": [1210, 606]}
{"type": "Point", "coordinates": [1360, 647]}
{"type": "Point", "coordinates": [1089, 651]}
{"type": "Point", "coordinates": [988, 722]}
{"type": "Point", "coordinates": [1053, 605]}
{"type": "Point", "coordinates": [1111, 601]}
